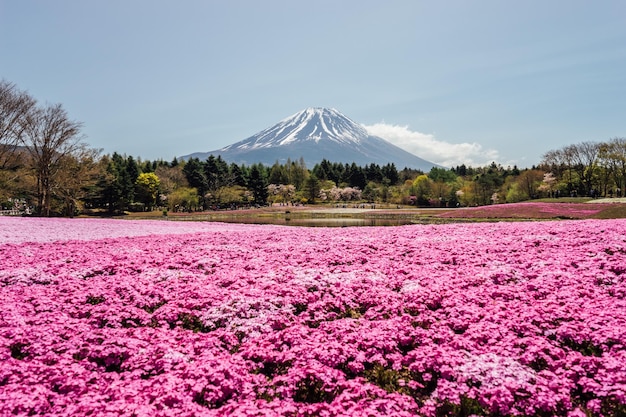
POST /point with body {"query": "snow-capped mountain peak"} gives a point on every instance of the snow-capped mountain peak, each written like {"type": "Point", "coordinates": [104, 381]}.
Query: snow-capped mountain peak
{"type": "Point", "coordinates": [310, 124]}
{"type": "Point", "coordinates": [316, 133]}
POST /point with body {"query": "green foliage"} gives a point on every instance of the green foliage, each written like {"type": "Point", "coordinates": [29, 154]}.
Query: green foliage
{"type": "Point", "coordinates": [390, 174]}
{"type": "Point", "coordinates": [443, 175]}
{"type": "Point", "coordinates": [95, 300]}
{"type": "Point", "coordinates": [56, 175]}
{"type": "Point", "coordinates": [392, 380]}
{"type": "Point", "coordinates": [312, 390]}
{"type": "Point", "coordinates": [147, 188]}
{"type": "Point", "coordinates": [514, 194]}
{"type": "Point", "coordinates": [18, 350]}
{"type": "Point", "coordinates": [585, 347]}
{"type": "Point", "coordinates": [611, 406]}
{"type": "Point", "coordinates": [372, 192]}
{"type": "Point", "coordinates": [313, 187]}
{"type": "Point", "coordinates": [258, 184]}
{"type": "Point", "coordinates": [123, 183]}
{"type": "Point", "coordinates": [217, 174]}
{"type": "Point", "coordinates": [233, 195]}
{"type": "Point", "coordinates": [467, 407]}
{"type": "Point", "coordinates": [278, 174]}
{"type": "Point", "coordinates": [238, 175]}
{"type": "Point", "coordinates": [192, 322]}
{"type": "Point", "coordinates": [194, 172]}
{"type": "Point", "coordinates": [421, 189]}
{"type": "Point", "coordinates": [353, 176]}
{"type": "Point", "coordinates": [183, 199]}
{"type": "Point", "coordinates": [118, 183]}
{"type": "Point", "coordinates": [219, 185]}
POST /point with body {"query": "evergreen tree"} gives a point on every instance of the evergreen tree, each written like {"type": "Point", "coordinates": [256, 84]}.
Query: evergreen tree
{"type": "Point", "coordinates": [373, 173]}
{"type": "Point", "coordinates": [194, 172]}
{"type": "Point", "coordinates": [216, 173]}
{"type": "Point", "coordinates": [127, 172]}
{"type": "Point", "coordinates": [278, 174]}
{"type": "Point", "coordinates": [326, 171]}
{"type": "Point", "coordinates": [442, 175]}
{"type": "Point", "coordinates": [131, 168]}
{"type": "Point", "coordinates": [319, 171]}
{"type": "Point", "coordinates": [461, 170]}
{"type": "Point", "coordinates": [297, 173]}
{"type": "Point", "coordinates": [147, 166]}
{"type": "Point", "coordinates": [312, 188]}
{"type": "Point", "coordinates": [390, 174]}
{"type": "Point", "coordinates": [116, 185]}
{"type": "Point", "coordinates": [258, 184]}
{"type": "Point", "coordinates": [354, 176]}
{"type": "Point", "coordinates": [336, 172]}
{"type": "Point", "coordinates": [238, 175]}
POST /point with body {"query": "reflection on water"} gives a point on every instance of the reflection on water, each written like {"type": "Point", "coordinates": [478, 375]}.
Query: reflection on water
{"type": "Point", "coordinates": [316, 222]}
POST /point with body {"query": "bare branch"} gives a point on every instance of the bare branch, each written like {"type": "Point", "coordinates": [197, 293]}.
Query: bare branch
{"type": "Point", "coordinates": [50, 137]}
{"type": "Point", "coordinates": [15, 106]}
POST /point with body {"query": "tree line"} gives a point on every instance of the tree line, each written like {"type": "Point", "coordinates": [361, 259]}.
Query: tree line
{"type": "Point", "coordinates": [46, 168]}
{"type": "Point", "coordinates": [589, 168]}
{"type": "Point", "coordinates": [195, 185]}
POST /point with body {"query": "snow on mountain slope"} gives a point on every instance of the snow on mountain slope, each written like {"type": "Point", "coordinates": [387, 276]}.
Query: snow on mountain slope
{"type": "Point", "coordinates": [317, 133]}
{"type": "Point", "coordinates": [311, 124]}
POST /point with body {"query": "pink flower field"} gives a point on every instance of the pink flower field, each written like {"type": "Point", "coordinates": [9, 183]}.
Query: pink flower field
{"type": "Point", "coordinates": [531, 210]}
{"type": "Point", "coordinates": [157, 318]}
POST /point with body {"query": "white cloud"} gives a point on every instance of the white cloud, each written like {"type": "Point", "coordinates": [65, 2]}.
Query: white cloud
{"type": "Point", "coordinates": [428, 147]}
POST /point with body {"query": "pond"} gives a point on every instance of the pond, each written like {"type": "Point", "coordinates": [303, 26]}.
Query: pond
{"type": "Point", "coordinates": [316, 222]}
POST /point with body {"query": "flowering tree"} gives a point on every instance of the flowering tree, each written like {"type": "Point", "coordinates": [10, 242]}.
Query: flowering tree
{"type": "Point", "coordinates": [340, 194]}
{"type": "Point", "coordinates": [350, 194]}
{"type": "Point", "coordinates": [281, 192]}
{"type": "Point", "coordinates": [548, 183]}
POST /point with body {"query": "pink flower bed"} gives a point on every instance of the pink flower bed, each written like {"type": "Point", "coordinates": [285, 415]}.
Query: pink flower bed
{"type": "Point", "coordinates": [159, 319]}
{"type": "Point", "coordinates": [16, 229]}
{"type": "Point", "coordinates": [530, 210]}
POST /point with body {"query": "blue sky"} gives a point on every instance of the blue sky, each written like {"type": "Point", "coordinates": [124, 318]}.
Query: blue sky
{"type": "Point", "coordinates": [452, 81]}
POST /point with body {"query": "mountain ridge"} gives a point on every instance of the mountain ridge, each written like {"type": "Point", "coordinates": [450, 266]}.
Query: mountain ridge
{"type": "Point", "coordinates": [317, 133]}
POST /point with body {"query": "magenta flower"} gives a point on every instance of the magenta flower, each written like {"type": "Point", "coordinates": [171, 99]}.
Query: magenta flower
{"type": "Point", "coordinates": [159, 318]}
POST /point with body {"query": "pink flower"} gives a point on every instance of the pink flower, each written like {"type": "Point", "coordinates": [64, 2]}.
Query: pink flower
{"type": "Point", "coordinates": [210, 319]}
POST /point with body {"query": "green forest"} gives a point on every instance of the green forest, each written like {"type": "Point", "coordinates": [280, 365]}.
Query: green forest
{"type": "Point", "coordinates": [47, 168]}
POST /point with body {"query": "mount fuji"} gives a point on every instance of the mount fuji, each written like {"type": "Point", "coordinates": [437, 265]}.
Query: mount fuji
{"type": "Point", "coordinates": [314, 134]}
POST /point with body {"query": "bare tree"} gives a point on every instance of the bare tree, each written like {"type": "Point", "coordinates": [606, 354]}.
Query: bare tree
{"type": "Point", "coordinates": [585, 157]}
{"type": "Point", "coordinates": [580, 159]}
{"type": "Point", "coordinates": [77, 174]}
{"type": "Point", "coordinates": [172, 178]}
{"type": "Point", "coordinates": [560, 162]}
{"type": "Point", "coordinates": [613, 159]}
{"type": "Point", "coordinates": [14, 108]}
{"type": "Point", "coordinates": [50, 137]}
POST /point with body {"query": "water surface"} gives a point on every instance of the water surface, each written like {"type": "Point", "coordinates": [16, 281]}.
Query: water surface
{"type": "Point", "coordinates": [316, 222]}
